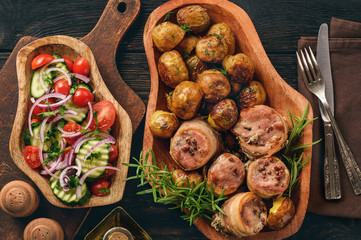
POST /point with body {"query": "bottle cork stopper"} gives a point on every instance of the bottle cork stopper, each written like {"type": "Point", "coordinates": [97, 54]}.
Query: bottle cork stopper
{"type": "Point", "coordinates": [18, 199]}
{"type": "Point", "coordinates": [43, 229]}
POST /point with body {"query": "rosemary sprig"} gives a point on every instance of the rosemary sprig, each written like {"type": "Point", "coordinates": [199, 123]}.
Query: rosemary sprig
{"type": "Point", "coordinates": [291, 154]}
{"type": "Point", "coordinates": [195, 201]}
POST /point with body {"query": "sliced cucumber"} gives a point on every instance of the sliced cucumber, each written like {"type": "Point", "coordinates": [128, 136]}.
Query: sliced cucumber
{"type": "Point", "coordinates": [82, 112]}
{"type": "Point", "coordinates": [104, 149]}
{"type": "Point", "coordinates": [35, 139]}
{"type": "Point", "coordinates": [36, 90]}
{"type": "Point", "coordinates": [61, 65]}
{"type": "Point", "coordinates": [69, 197]}
{"type": "Point", "coordinates": [86, 86]}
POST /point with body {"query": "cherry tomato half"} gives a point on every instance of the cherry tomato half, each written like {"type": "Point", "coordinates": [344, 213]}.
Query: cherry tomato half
{"type": "Point", "coordinates": [71, 127]}
{"type": "Point", "coordinates": [100, 187]}
{"type": "Point", "coordinates": [41, 60]}
{"type": "Point", "coordinates": [62, 86]}
{"type": "Point", "coordinates": [113, 154]}
{"type": "Point", "coordinates": [81, 66]}
{"type": "Point", "coordinates": [38, 110]}
{"type": "Point", "coordinates": [82, 96]}
{"type": "Point", "coordinates": [69, 63]}
{"type": "Point", "coordinates": [34, 120]}
{"type": "Point", "coordinates": [105, 115]}
{"type": "Point", "coordinates": [32, 156]}
{"type": "Point", "coordinates": [108, 172]}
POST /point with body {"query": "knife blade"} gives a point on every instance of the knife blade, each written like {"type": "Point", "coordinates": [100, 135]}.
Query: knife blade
{"type": "Point", "coordinates": [331, 169]}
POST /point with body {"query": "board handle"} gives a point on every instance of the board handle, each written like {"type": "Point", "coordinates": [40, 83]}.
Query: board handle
{"type": "Point", "coordinates": [116, 19]}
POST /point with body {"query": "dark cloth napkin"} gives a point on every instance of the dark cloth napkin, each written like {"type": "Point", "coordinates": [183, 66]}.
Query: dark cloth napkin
{"type": "Point", "coordinates": [345, 56]}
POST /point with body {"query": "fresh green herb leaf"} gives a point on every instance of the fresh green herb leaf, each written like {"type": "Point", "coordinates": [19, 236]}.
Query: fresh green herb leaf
{"type": "Point", "coordinates": [104, 190]}
{"type": "Point", "coordinates": [171, 38]}
{"type": "Point", "coordinates": [186, 53]}
{"type": "Point", "coordinates": [191, 67]}
{"type": "Point", "coordinates": [57, 186]}
{"type": "Point", "coordinates": [226, 122]}
{"type": "Point", "coordinates": [167, 16]}
{"type": "Point", "coordinates": [46, 114]}
{"type": "Point", "coordinates": [93, 156]}
{"type": "Point", "coordinates": [255, 90]}
{"type": "Point", "coordinates": [213, 53]}
{"type": "Point", "coordinates": [95, 115]}
{"type": "Point", "coordinates": [62, 109]}
{"type": "Point", "coordinates": [85, 130]}
{"type": "Point", "coordinates": [95, 132]}
{"type": "Point", "coordinates": [197, 200]}
{"type": "Point", "coordinates": [186, 28]}
{"type": "Point", "coordinates": [56, 55]}
{"type": "Point", "coordinates": [27, 137]}
{"type": "Point", "coordinates": [206, 51]}
{"type": "Point", "coordinates": [61, 123]}
{"type": "Point", "coordinates": [73, 181]}
{"type": "Point", "coordinates": [47, 79]}
{"type": "Point", "coordinates": [216, 35]}
{"type": "Point", "coordinates": [54, 152]}
{"type": "Point", "coordinates": [177, 70]}
{"type": "Point", "coordinates": [170, 95]}
{"type": "Point", "coordinates": [74, 85]}
{"type": "Point", "coordinates": [211, 85]}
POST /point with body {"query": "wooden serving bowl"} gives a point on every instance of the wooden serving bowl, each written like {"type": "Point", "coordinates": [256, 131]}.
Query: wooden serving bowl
{"type": "Point", "coordinates": [121, 129]}
{"type": "Point", "coordinates": [280, 96]}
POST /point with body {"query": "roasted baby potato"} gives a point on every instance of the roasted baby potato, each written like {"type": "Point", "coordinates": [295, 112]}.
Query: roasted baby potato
{"type": "Point", "coordinates": [239, 67]}
{"type": "Point", "coordinates": [211, 49]}
{"type": "Point", "coordinates": [195, 16]}
{"type": "Point", "coordinates": [193, 177]}
{"type": "Point", "coordinates": [223, 115]}
{"type": "Point", "coordinates": [195, 67]}
{"type": "Point", "coordinates": [185, 100]}
{"type": "Point", "coordinates": [281, 213]}
{"type": "Point", "coordinates": [251, 95]}
{"type": "Point", "coordinates": [187, 45]}
{"type": "Point", "coordinates": [163, 124]}
{"type": "Point", "coordinates": [167, 35]}
{"type": "Point", "coordinates": [172, 69]}
{"type": "Point", "coordinates": [223, 30]}
{"type": "Point", "coordinates": [214, 85]}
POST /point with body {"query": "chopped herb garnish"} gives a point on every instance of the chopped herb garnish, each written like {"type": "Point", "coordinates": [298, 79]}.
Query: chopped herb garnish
{"type": "Point", "coordinates": [73, 181]}
{"type": "Point", "coordinates": [47, 79]}
{"type": "Point", "coordinates": [85, 130]}
{"type": "Point", "coordinates": [57, 186]}
{"type": "Point", "coordinates": [54, 152]}
{"type": "Point", "coordinates": [167, 16]}
{"type": "Point", "coordinates": [186, 28]}
{"type": "Point", "coordinates": [172, 37]}
{"type": "Point", "coordinates": [255, 90]}
{"type": "Point", "coordinates": [213, 53]}
{"type": "Point", "coordinates": [191, 67]}
{"type": "Point", "coordinates": [211, 85]}
{"type": "Point", "coordinates": [170, 95]}
{"type": "Point", "coordinates": [217, 35]}
{"type": "Point", "coordinates": [46, 114]}
{"type": "Point", "coordinates": [177, 70]}
{"type": "Point", "coordinates": [61, 123]}
{"type": "Point", "coordinates": [206, 51]}
{"type": "Point", "coordinates": [93, 156]}
{"type": "Point", "coordinates": [74, 85]}
{"type": "Point", "coordinates": [95, 132]}
{"type": "Point", "coordinates": [62, 109]}
{"type": "Point", "coordinates": [104, 190]}
{"type": "Point", "coordinates": [186, 53]}
{"type": "Point", "coordinates": [56, 55]}
{"type": "Point", "coordinates": [226, 122]}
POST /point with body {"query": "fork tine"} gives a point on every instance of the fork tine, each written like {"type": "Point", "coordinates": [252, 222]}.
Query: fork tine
{"type": "Point", "coordinates": [299, 61]}
{"type": "Point", "coordinates": [315, 64]}
{"type": "Point", "coordinates": [310, 64]}
{"type": "Point", "coordinates": [306, 66]}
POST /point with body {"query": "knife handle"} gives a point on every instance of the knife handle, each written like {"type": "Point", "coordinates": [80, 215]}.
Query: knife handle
{"type": "Point", "coordinates": [331, 170]}
{"type": "Point", "coordinates": [352, 169]}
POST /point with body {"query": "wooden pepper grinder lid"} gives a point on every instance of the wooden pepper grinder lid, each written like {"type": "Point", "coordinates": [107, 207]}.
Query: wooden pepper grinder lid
{"type": "Point", "coordinates": [43, 229]}
{"type": "Point", "coordinates": [18, 199]}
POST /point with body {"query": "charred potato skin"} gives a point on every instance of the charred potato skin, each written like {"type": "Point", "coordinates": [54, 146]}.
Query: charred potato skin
{"type": "Point", "coordinates": [195, 67]}
{"type": "Point", "coordinates": [172, 69]}
{"type": "Point", "coordinates": [187, 45]}
{"type": "Point", "coordinates": [223, 30]}
{"type": "Point", "coordinates": [283, 215]}
{"type": "Point", "coordinates": [251, 95]}
{"type": "Point", "coordinates": [185, 100]}
{"type": "Point", "coordinates": [193, 177]}
{"type": "Point", "coordinates": [211, 49]}
{"type": "Point", "coordinates": [163, 124]}
{"type": "Point", "coordinates": [167, 35]}
{"type": "Point", "coordinates": [195, 16]}
{"type": "Point", "coordinates": [223, 115]}
{"type": "Point", "coordinates": [239, 67]}
{"type": "Point", "coordinates": [214, 84]}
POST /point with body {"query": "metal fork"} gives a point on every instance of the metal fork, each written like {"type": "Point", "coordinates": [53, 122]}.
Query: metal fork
{"type": "Point", "coordinates": [314, 82]}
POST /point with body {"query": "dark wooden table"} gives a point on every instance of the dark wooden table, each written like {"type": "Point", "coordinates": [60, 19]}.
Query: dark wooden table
{"type": "Point", "coordinates": [279, 23]}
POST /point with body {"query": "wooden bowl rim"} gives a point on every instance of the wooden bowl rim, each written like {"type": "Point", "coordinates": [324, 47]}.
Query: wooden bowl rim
{"type": "Point", "coordinates": [124, 138]}
{"type": "Point", "coordinates": [242, 17]}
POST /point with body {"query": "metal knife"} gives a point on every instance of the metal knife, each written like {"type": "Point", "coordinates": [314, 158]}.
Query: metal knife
{"type": "Point", "coordinates": [331, 169]}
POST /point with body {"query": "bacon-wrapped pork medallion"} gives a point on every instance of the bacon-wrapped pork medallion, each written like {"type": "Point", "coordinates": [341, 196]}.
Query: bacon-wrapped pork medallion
{"type": "Point", "coordinates": [246, 215]}
{"type": "Point", "coordinates": [261, 131]}
{"type": "Point", "coordinates": [226, 174]}
{"type": "Point", "coordinates": [194, 144]}
{"type": "Point", "coordinates": [268, 177]}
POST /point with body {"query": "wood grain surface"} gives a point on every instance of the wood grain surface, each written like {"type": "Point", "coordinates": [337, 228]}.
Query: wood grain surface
{"type": "Point", "coordinates": [279, 24]}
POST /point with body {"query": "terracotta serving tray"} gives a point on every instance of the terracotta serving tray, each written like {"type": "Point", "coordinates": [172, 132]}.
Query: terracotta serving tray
{"type": "Point", "coordinates": [280, 96]}
{"type": "Point", "coordinates": [103, 41]}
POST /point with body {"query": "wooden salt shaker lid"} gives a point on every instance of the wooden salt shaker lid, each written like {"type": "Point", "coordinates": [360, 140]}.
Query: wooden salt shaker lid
{"type": "Point", "coordinates": [18, 199]}
{"type": "Point", "coordinates": [43, 229]}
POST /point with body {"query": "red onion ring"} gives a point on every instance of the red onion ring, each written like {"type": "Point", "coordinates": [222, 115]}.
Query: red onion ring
{"type": "Point", "coordinates": [77, 75]}
{"type": "Point", "coordinates": [42, 160]}
{"type": "Point", "coordinates": [106, 135]}
{"type": "Point", "coordinates": [82, 179]}
{"type": "Point", "coordinates": [82, 142]}
{"type": "Point", "coordinates": [108, 140]}
{"type": "Point", "coordinates": [59, 70]}
{"type": "Point", "coordinates": [42, 129]}
{"type": "Point", "coordinates": [57, 104]}
{"type": "Point", "coordinates": [42, 70]}
{"type": "Point", "coordinates": [54, 165]}
{"type": "Point", "coordinates": [90, 116]}
{"type": "Point", "coordinates": [46, 96]}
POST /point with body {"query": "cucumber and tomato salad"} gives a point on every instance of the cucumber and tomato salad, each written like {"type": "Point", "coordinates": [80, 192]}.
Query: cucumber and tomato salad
{"type": "Point", "coordinates": [68, 133]}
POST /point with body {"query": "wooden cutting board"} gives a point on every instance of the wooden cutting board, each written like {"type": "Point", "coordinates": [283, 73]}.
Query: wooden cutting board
{"type": "Point", "coordinates": [103, 40]}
